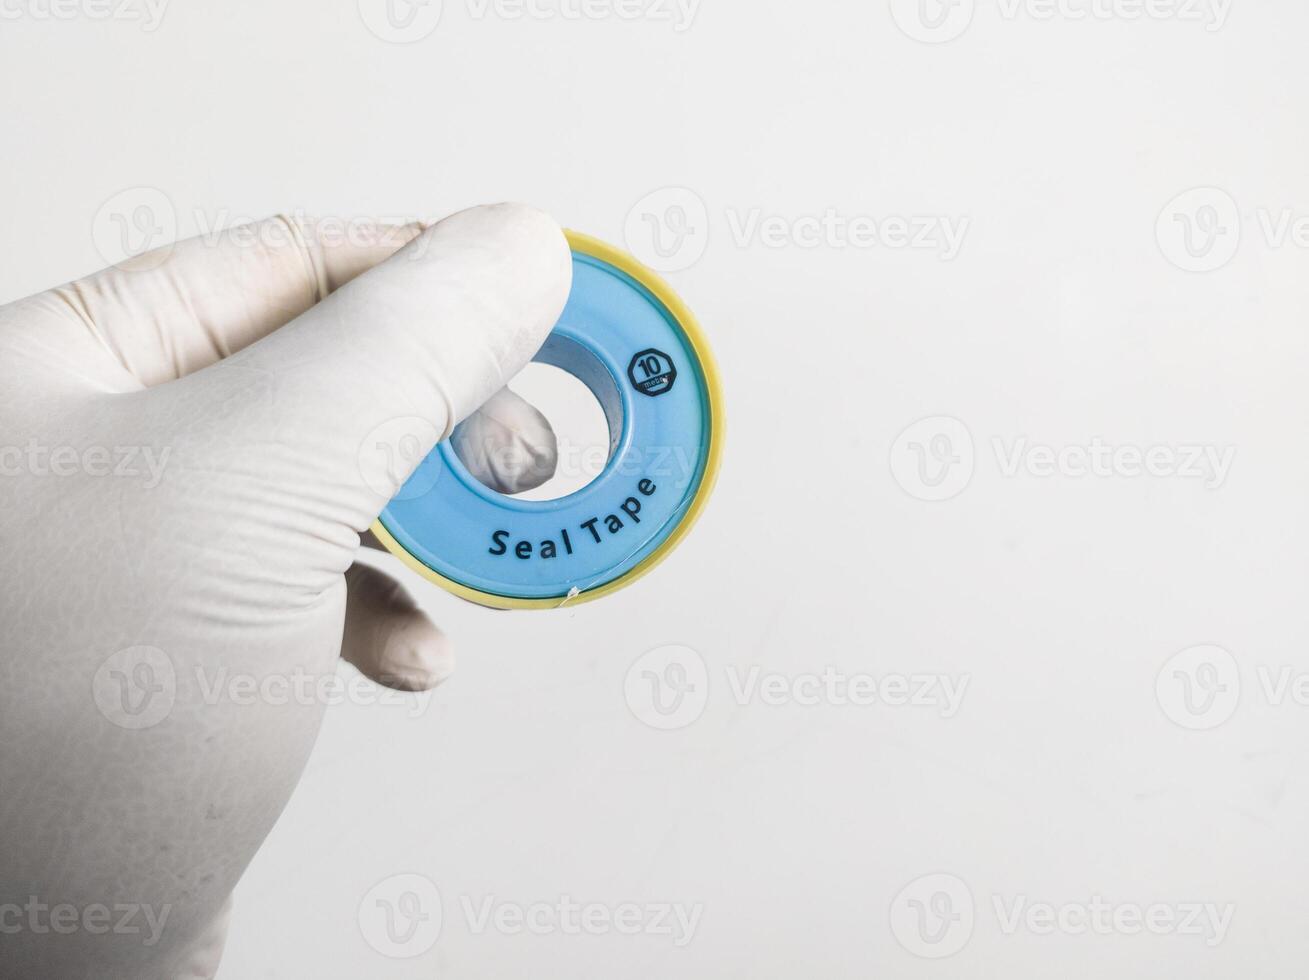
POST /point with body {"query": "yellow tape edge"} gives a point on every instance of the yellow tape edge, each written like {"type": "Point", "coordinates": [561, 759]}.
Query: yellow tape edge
{"type": "Point", "coordinates": [686, 320]}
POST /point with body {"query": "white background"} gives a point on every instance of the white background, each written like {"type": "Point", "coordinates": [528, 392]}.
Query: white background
{"type": "Point", "coordinates": [1069, 771]}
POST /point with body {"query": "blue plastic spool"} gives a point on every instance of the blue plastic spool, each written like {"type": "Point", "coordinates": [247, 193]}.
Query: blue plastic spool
{"type": "Point", "coordinates": [636, 346]}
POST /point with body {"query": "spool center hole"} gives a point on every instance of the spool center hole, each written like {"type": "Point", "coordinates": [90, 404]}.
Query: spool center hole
{"type": "Point", "coordinates": [580, 427]}
{"type": "Point", "coordinates": [577, 394]}
{"type": "Point", "coordinates": [583, 432]}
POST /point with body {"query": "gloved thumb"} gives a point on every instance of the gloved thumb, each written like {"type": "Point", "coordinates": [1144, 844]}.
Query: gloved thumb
{"type": "Point", "coordinates": [343, 402]}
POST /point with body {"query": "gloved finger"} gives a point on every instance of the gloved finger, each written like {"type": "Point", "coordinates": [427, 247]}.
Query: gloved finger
{"type": "Point", "coordinates": [201, 961]}
{"type": "Point", "coordinates": [174, 311]}
{"type": "Point", "coordinates": [388, 637]}
{"type": "Point", "coordinates": [507, 444]}
{"type": "Point", "coordinates": [348, 398]}
{"type": "Point", "coordinates": [210, 297]}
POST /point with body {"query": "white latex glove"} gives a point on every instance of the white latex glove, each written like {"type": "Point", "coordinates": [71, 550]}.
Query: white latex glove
{"type": "Point", "coordinates": [266, 387]}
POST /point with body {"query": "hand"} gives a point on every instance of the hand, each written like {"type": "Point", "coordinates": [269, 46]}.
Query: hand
{"type": "Point", "coordinates": [187, 451]}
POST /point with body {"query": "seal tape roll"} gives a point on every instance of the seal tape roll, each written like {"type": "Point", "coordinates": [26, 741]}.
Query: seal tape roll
{"type": "Point", "coordinates": [628, 337]}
